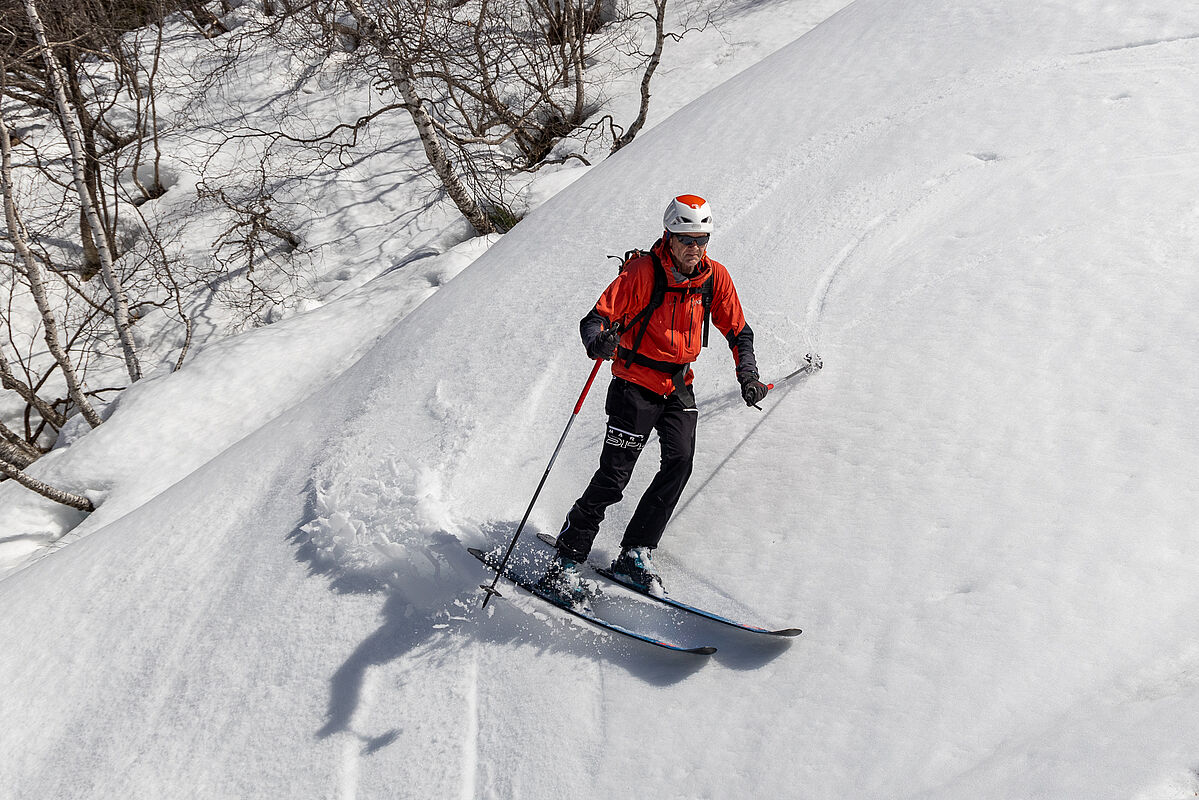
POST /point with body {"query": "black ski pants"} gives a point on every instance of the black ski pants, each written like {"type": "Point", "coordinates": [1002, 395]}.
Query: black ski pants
{"type": "Point", "coordinates": [634, 411]}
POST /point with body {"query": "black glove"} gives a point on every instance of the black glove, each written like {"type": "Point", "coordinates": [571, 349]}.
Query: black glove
{"type": "Point", "coordinates": [605, 343]}
{"type": "Point", "coordinates": [753, 391]}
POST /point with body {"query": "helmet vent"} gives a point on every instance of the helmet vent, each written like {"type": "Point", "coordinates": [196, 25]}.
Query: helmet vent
{"type": "Point", "coordinates": [688, 213]}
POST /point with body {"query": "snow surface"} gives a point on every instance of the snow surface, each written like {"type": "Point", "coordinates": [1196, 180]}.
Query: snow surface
{"type": "Point", "coordinates": [982, 216]}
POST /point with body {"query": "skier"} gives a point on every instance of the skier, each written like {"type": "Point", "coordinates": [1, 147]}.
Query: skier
{"type": "Point", "coordinates": [652, 349]}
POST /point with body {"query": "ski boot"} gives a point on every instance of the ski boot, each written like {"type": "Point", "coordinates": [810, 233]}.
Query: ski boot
{"type": "Point", "coordinates": [563, 581]}
{"type": "Point", "coordinates": [633, 566]}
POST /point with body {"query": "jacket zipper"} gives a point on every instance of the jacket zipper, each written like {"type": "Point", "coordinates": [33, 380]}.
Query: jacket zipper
{"type": "Point", "coordinates": [682, 302]}
{"type": "Point", "coordinates": [690, 320]}
{"type": "Point", "coordinates": [674, 319]}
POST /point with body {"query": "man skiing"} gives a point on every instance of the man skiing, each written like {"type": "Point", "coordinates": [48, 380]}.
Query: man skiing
{"type": "Point", "coordinates": [652, 321]}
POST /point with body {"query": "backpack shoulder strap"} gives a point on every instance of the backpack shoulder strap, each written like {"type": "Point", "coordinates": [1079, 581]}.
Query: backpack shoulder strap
{"type": "Point", "coordinates": [656, 297]}
{"type": "Point", "coordinates": [706, 294]}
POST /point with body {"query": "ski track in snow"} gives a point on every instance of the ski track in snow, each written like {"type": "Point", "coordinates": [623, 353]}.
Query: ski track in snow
{"type": "Point", "coordinates": [470, 736]}
{"type": "Point", "coordinates": [841, 143]}
{"type": "Point", "coordinates": [1138, 45]}
{"type": "Point", "coordinates": [352, 742]}
{"type": "Point", "coordinates": [347, 787]}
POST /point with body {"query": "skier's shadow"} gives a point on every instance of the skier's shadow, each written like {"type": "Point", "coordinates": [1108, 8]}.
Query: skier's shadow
{"type": "Point", "coordinates": [445, 611]}
{"type": "Point", "coordinates": [442, 612]}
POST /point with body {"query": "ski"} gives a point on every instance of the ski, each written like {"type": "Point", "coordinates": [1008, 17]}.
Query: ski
{"type": "Point", "coordinates": [670, 601]}
{"type": "Point", "coordinates": [488, 559]}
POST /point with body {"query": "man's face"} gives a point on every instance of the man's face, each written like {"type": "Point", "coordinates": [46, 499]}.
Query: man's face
{"type": "Point", "coordinates": [686, 250]}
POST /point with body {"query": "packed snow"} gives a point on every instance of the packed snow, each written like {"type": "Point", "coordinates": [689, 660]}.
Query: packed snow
{"type": "Point", "coordinates": [982, 217]}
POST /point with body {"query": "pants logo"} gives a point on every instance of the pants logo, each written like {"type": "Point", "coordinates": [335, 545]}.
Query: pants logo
{"type": "Point", "coordinates": [624, 439]}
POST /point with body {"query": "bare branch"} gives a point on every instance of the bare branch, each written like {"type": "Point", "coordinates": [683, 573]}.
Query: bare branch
{"type": "Point", "coordinates": [44, 489]}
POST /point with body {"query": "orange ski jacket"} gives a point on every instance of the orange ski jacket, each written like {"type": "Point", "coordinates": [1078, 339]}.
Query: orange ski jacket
{"type": "Point", "coordinates": [674, 335]}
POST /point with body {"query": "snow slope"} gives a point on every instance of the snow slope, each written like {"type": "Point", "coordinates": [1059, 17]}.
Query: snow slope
{"type": "Point", "coordinates": [981, 216]}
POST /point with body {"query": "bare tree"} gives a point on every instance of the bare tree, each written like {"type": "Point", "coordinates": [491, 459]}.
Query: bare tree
{"type": "Point", "coordinates": [87, 204]}
{"type": "Point", "coordinates": [15, 450]}
{"type": "Point", "coordinates": [16, 453]}
{"type": "Point", "coordinates": [653, 59]}
{"type": "Point", "coordinates": [491, 87]}
{"type": "Point", "coordinates": [257, 236]}
{"type": "Point", "coordinates": [82, 73]}
{"type": "Point", "coordinates": [205, 21]}
{"type": "Point", "coordinates": [396, 47]}
{"type": "Point", "coordinates": [32, 272]}
{"type": "Point", "coordinates": [495, 85]}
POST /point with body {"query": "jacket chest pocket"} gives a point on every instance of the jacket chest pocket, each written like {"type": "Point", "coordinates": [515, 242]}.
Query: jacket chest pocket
{"type": "Point", "coordinates": [688, 310]}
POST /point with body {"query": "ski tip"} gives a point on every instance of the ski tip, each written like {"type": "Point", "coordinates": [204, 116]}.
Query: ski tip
{"type": "Point", "coordinates": [701, 651]}
{"type": "Point", "coordinates": [549, 539]}
{"type": "Point", "coordinates": [788, 632]}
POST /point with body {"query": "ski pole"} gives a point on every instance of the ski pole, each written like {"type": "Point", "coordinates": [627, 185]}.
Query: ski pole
{"type": "Point", "coordinates": [811, 364]}
{"type": "Point", "coordinates": [491, 590]}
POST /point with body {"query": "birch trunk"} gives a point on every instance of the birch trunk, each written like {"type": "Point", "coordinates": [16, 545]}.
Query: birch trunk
{"type": "Point", "coordinates": [401, 78]}
{"type": "Point", "coordinates": [16, 450]}
{"type": "Point", "coordinates": [45, 489]}
{"type": "Point", "coordinates": [654, 60]}
{"type": "Point", "coordinates": [11, 382]}
{"type": "Point", "coordinates": [37, 285]}
{"type": "Point", "coordinates": [120, 310]}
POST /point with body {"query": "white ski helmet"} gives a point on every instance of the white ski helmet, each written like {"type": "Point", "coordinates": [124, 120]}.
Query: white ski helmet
{"type": "Point", "coordinates": [688, 213]}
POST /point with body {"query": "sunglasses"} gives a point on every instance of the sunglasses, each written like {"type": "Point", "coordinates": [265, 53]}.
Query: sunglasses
{"type": "Point", "coordinates": [697, 241]}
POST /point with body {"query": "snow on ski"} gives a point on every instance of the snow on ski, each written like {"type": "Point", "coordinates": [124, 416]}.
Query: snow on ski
{"type": "Point", "coordinates": [607, 573]}
{"type": "Point", "coordinates": [599, 622]}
